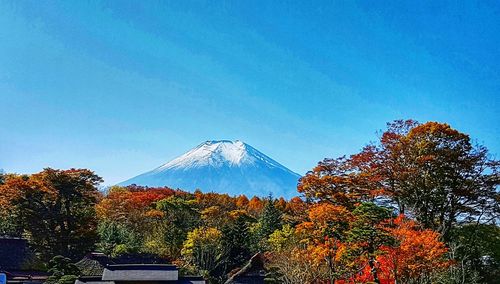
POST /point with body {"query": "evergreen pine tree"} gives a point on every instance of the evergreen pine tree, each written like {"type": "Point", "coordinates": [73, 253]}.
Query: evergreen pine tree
{"type": "Point", "coordinates": [270, 220]}
{"type": "Point", "coordinates": [236, 240]}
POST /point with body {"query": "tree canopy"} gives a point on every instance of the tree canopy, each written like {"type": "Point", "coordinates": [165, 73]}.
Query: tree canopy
{"type": "Point", "coordinates": [419, 205]}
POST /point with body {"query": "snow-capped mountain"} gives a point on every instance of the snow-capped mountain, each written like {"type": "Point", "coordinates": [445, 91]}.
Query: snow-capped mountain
{"type": "Point", "coordinates": [232, 167]}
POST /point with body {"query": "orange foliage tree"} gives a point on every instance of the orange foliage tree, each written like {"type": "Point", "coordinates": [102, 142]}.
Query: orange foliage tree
{"type": "Point", "coordinates": [417, 253]}
{"type": "Point", "coordinates": [54, 210]}
{"type": "Point", "coordinates": [255, 206]}
{"type": "Point", "coordinates": [130, 204]}
{"type": "Point", "coordinates": [430, 170]}
{"type": "Point", "coordinates": [295, 211]}
{"type": "Point", "coordinates": [11, 188]}
{"type": "Point", "coordinates": [324, 236]}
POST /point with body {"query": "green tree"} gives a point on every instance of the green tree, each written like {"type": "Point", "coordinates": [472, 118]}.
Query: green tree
{"type": "Point", "coordinates": [116, 239]}
{"type": "Point", "coordinates": [236, 240]}
{"type": "Point", "coordinates": [169, 230]}
{"type": "Point", "coordinates": [477, 249]}
{"type": "Point", "coordinates": [62, 271]}
{"type": "Point", "coordinates": [203, 248]}
{"type": "Point", "coordinates": [367, 234]}
{"type": "Point", "coordinates": [270, 220]}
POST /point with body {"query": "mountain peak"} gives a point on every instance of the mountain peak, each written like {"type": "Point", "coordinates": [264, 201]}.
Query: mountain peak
{"type": "Point", "coordinates": [222, 141]}
{"type": "Point", "coordinates": [224, 166]}
{"type": "Point", "coordinates": [216, 153]}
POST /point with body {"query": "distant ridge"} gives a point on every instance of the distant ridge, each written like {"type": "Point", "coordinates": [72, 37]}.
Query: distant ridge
{"type": "Point", "coordinates": [223, 166]}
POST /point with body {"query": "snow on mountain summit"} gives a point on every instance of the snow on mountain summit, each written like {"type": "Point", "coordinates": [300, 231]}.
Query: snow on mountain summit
{"type": "Point", "coordinates": [214, 153]}
{"type": "Point", "coordinates": [218, 154]}
{"type": "Point", "coordinates": [224, 166]}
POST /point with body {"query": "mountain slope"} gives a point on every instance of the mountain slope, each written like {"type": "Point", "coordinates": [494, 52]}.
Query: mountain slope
{"type": "Point", "coordinates": [226, 167]}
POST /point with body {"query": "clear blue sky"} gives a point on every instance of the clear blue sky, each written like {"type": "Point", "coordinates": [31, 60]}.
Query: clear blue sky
{"type": "Point", "coordinates": [121, 87]}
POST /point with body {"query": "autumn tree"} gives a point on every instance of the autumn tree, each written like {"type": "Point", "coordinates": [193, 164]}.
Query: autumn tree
{"type": "Point", "coordinates": [429, 170]}
{"type": "Point", "coordinates": [131, 220]}
{"type": "Point", "coordinates": [56, 210]}
{"type": "Point", "coordinates": [295, 211]}
{"type": "Point", "coordinates": [367, 235]}
{"type": "Point", "coordinates": [281, 204]}
{"type": "Point", "coordinates": [203, 249]}
{"type": "Point", "coordinates": [255, 206]}
{"type": "Point", "coordinates": [242, 202]}
{"type": "Point", "coordinates": [325, 236]}
{"type": "Point", "coordinates": [344, 181]}
{"type": "Point", "coordinates": [214, 216]}
{"type": "Point", "coordinates": [172, 219]}
{"type": "Point", "coordinates": [224, 201]}
{"type": "Point", "coordinates": [289, 260]}
{"type": "Point", "coordinates": [128, 205]}
{"type": "Point", "coordinates": [438, 174]}
{"type": "Point", "coordinates": [417, 254]}
{"type": "Point", "coordinates": [11, 188]}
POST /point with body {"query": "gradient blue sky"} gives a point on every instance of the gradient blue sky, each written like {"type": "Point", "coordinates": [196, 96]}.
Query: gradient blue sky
{"type": "Point", "coordinates": [122, 87]}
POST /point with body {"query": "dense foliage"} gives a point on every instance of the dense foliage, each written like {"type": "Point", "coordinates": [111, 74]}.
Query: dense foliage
{"type": "Point", "coordinates": [54, 210]}
{"type": "Point", "coordinates": [420, 205]}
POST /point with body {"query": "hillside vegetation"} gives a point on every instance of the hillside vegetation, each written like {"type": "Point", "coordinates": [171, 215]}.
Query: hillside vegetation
{"type": "Point", "coordinates": [419, 205]}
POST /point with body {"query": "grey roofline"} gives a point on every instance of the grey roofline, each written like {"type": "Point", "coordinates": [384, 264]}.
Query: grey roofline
{"type": "Point", "coordinates": [141, 267]}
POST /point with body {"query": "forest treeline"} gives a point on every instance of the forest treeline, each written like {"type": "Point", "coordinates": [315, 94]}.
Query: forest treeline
{"type": "Point", "coordinates": [419, 205]}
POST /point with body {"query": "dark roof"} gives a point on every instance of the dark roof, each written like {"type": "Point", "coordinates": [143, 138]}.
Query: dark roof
{"type": "Point", "coordinates": [252, 272]}
{"type": "Point", "coordinates": [93, 264]}
{"type": "Point", "coordinates": [140, 272]}
{"type": "Point", "coordinates": [34, 277]}
{"type": "Point", "coordinates": [144, 273]}
{"type": "Point", "coordinates": [98, 280]}
{"type": "Point", "coordinates": [141, 267]}
{"type": "Point", "coordinates": [92, 280]}
{"type": "Point", "coordinates": [139, 258]}
{"type": "Point", "coordinates": [191, 280]}
{"type": "Point", "coordinates": [14, 253]}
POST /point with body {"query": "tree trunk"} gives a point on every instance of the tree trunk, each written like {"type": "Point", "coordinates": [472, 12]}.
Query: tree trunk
{"type": "Point", "coordinates": [373, 270]}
